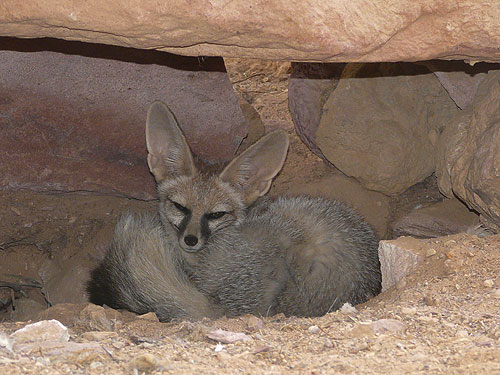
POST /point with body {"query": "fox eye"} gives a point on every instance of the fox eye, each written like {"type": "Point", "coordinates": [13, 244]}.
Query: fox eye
{"type": "Point", "coordinates": [215, 215]}
{"type": "Point", "coordinates": [180, 207]}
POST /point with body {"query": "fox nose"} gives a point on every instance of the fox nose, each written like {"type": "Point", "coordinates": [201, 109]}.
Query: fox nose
{"type": "Point", "coordinates": [190, 240]}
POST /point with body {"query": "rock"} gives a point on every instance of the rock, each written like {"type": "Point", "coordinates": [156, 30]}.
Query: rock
{"type": "Point", "coordinates": [440, 219]}
{"type": "Point", "coordinates": [347, 308]}
{"type": "Point", "coordinates": [254, 323]}
{"type": "Point", "coordinates": [468, 154]}
{"type": "Point", "coordinates": [398, 258]}
{"type": "Point", "coordinates": [227, 337]}
{"type": "Point", "coordinates": [371, 205]}
{"type": "Point", "coordinates": [151, 316]}
{"type": "Point", "coordinates": [309, 88]}
{"type": "Point", "coordinates": [75, 121]}
{"type": "Point", "coordinates": [381, 124]}
{"type": "Point", "coordinates": [459, 79]}
{"type": "Point", "coordinates": [94, 317]}
{"type": "Point", "coordinates": [316, 30]}
{"type": "Point", "coordinates": [314, 329]}
{"type": "Point", "coordinates": [45, 330]}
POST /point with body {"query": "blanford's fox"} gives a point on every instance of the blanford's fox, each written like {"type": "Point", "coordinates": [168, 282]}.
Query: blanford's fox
{"type": "Point", "coordinates": [215, 248]}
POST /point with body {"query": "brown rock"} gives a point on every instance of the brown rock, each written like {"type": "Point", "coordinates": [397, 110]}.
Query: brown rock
{"type": "Point", "coordinates": [75, 121]}
{"type": "Point", "coordinates": [469, 153]}
{"type": "Point", "coordinates": [398, 258]}
{"type": "Point", "coordinates": [309, 88]}
{"type": "Point", "coordinates": [94, 318]}
{"type": "Point", "coordinates": [45, 330]}
{"type": "Point", "coordinates": [380, 125]}
{"type": "Point", "coordinates": [440, 219]}
{"type": "Point", "coordinates": [317, 30]}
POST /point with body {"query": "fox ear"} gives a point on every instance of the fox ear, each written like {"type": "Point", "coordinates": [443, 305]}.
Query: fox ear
{"type": "Point", "coordinates": [168, 152]}
{"type": "Point", "coordinates": [253, 170]}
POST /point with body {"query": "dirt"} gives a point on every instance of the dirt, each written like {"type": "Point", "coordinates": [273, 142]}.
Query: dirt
{"type": "Point", "coordinates": [444, 318]}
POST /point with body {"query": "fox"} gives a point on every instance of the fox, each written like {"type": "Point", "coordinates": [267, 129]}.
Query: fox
{"type": "Point", "coordinates": [218, 246]}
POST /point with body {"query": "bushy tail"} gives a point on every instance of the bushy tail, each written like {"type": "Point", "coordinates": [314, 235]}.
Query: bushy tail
{"type": "Point", "coordinates": [141, 273]}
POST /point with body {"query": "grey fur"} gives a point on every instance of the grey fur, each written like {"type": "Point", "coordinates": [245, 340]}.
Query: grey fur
{"type": "Point", "coordinates": [297, 255]}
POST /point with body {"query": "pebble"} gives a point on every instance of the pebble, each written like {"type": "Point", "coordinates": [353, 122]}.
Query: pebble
{"type": "Point", "coordinates": [45, 330]}
{"type": "Point", "coordinates": [314, 329]}
{"type": "Point", "coordinates": [430, 252]}
{"type": "Point", "coordinates": [254, 323]}
{"type": "Point", "coordinates": [462, 333]}
{"type": "Point", "coordinates": [488, 283]}
{"type": "Point", "coordinates": [496, 293]}
{"type": "Point", "coordinates": [227, 337]}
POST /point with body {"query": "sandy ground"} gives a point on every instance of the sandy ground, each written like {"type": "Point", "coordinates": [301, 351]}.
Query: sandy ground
{"type": "Point", "coordinates": [444, 318]}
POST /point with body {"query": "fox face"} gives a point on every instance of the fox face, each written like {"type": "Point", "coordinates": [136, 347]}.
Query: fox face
{"type": "Point", "coordinates": [198, 205]}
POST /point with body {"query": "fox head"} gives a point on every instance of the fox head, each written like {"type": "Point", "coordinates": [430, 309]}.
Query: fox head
{"type": "Point", "coordinates": [194, 203]}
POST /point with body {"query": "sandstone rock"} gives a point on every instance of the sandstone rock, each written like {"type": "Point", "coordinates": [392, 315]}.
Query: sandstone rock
{"type": "Point", "coordinates": [75, 121]}
{"type": "Point", "coordinates": [309, 88]}
{"type": "Point", "coordinates": [469, 154]}
{"type": "Point", "coordinates": [373, 206]}
{"type": "Point", "coordinates": [94, 317]}
{"type": "Point", "coordinates": [459, 79]}
{"type": "Point", "coordinates": [398, 258]}
{"type": "Point", "coordinates": [381, 124]}
{"type": "Point", "coordinates": [45, 330]}
{"type": "Point", "coordinates": [440, 219]}
{"type": "Point", "coordinates": [316, 30]}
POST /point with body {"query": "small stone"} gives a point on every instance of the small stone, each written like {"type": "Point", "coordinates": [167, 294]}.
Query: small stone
{"type": "Point", "coordinates": [451, 254]}
{"type": "Point", "coordinates": [261, 348]}
{"type": "Point", "coordinates": [96, 364]}
{"type": "Point", "coordinates": [45, 330]}
{"type": "Point", "coordinates": [254, 323]}
{"type": "Point", "coordinates": [329, 343]}
{"type": "Point", "coordinates": [314, 329]}
{"type": "Point", "coordinates": [149, 316]}
{"type": "Point", "coordinates": [227, 337]}
{"type": "Point", "coordinates": [496, 293]}
{"type": "Point", "coordinates": [488, 283]}
{"type": "Point", "coordinates": [430, 252]}
{"type": "Point", "coordinates": [347, 308]}
{"type": "Point", "coordinates": [462, 333]}
{"type": "Point", "coordinates": [95, 317]}
{"type": "Point", "coordinates": [429, 300]}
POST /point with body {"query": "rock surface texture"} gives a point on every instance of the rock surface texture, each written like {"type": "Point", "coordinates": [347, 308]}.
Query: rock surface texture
{"type": "Point", "coordinates": [75, 120]}
{"type": "Point", "coordinates": [381, 124]}
{"type": "Point", "coordinates": [317, 30]}
{"type": "Point", "coordinates": [468, 161]}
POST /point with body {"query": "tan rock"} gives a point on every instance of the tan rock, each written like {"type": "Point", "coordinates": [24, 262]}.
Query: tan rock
{"type": "Point", "coordinates": [321, 30]}
{"type": "Point", "coordinates": [399, 258]}
{"type": "Point", "coordinates": [469, 154]}
{"type": "Point", "coordinates": [440, 219]}
{"type": "Point", "coordinates": [380, 125]}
